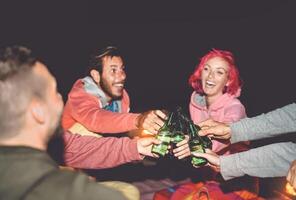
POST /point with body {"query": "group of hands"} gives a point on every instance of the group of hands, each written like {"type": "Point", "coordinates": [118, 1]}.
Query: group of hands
{"type": "Point", "coordinates": [152, 121]}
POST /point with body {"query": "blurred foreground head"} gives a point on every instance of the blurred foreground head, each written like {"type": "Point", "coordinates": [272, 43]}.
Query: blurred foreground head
{"type": "Point", "coordinates": [29, 101]}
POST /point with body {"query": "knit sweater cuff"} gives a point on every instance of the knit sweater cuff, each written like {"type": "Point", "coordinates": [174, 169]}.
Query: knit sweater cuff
{"type": "Point", "coordinates": [229, 167]}
{"type": "Point", "coordinates": [238, 132]}
{"type": "Point", "coordinates": [134, 150]}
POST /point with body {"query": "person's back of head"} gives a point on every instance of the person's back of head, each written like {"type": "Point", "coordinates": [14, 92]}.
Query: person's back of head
{"type": "Point", "coordinates": [25, 88]}
{"type": "Point", "coordinates": [16, 88]}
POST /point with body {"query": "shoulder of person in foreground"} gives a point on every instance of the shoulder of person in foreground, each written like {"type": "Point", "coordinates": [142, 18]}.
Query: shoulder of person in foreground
{"type": "Point", "coordinates": [64, 184]}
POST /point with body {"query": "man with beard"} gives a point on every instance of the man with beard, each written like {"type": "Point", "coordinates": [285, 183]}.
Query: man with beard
{"type": "Point", "coordinates": [99, 104]}
{"type": "Point", "coordinates": [30, 111]}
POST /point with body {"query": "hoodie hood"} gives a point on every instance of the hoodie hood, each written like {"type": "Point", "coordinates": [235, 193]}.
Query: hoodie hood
{"type": "Point", "coordinates": [91, 87]}
{"type": "Point", "coordinates": [199, 101]}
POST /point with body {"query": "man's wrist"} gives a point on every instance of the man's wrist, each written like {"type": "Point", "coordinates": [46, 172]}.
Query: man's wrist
{"type": "Point", "coordinates": [137, 121]}
{"type": "Point", "coordinates": [139, 149]}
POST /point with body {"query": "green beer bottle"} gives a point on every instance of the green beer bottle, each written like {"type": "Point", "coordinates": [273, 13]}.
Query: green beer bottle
{"type": "Point", "coordinates": [164, 135]}
{"type": "Point", "coordinates": [176, 137]}
{"type": "Point", "coordinates": [197, 144]}
{"type": "Point", "coordinates": [177, 131]}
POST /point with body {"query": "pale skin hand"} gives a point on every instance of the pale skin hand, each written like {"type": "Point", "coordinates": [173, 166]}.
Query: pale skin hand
{"type": "Point", "coordinates": [144, 146]}
{"type": "Point", "coordinates": [182, 150]}
{"type": "Point", "coordinates": [151, 121]}
{"type": "Point", "coordinates": [215, 129]}
{"type": "Point", "coordinates": [291, 177]}
{"type": "Point", "coordinates": [212, 157]}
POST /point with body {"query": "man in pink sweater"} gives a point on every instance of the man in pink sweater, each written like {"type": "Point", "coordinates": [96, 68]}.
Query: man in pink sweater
{"type": "Point", "coordinates": [99, 104]}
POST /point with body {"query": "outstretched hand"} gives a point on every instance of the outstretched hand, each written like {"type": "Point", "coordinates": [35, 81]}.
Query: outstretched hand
{"type": "Point", "coordinates": [144, 146]}
{"type": "Point", "coordinates": [151, 121]}
{"type": "Point", "coordinates": [214, 129]}
{"type": "Point", "coordinates": [212, 157]}
{"type": "Point", "coordinates": [182, 150]}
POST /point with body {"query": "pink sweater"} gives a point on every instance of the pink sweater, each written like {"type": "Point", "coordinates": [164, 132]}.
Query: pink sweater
{"type": "Point", "coordinates": [90, 152]}
{"type": "Point", "coordinates": [226, 108]}
{"type": "Point", "coordinates": [87, 152]}
{"type": "Point", "coordinates": [87, 109]}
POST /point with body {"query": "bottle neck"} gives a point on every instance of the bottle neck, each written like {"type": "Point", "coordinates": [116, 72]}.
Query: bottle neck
{"type": "Point", "coordinates": [167, 122]}
{"type": "Point", "coordinates": [193, 130]}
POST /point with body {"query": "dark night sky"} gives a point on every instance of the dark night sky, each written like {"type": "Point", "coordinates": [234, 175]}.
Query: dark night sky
{"type": "Point", "coordinates": [162, 43]}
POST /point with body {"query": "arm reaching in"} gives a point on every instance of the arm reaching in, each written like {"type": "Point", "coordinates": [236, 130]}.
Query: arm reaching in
{"type": "Point", "coordinates": [271, 124]}
{"type": "Point", "coordinates": [272, 160]}
{"type": "Point", "coordinates": [144, 146]}
{"type": "Point", "coordinates": [212, 157]}
{"type": "Point", "coordinates": [215, 129]}
{"type": "Point", "coordinates": [151, 121]}
{"type": "Point", "coordinates": [182, 150]}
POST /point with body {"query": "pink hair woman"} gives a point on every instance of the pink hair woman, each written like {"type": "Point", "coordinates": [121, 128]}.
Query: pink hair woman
{"type": "Point", "coordinates": [217, 86]}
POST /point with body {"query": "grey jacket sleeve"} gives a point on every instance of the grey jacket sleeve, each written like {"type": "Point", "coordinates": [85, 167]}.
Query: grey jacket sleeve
{"type": "Point", "coordinates": [271, 160]}
{"type": "Point", "coordinates": [279, 121]}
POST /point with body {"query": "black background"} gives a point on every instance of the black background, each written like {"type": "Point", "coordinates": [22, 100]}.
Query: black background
{"type": "Point", "coordinates": [163, 42]}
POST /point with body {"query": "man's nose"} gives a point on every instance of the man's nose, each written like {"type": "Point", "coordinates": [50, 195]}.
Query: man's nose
{"type": "Point", "coordinates": [121, 75]}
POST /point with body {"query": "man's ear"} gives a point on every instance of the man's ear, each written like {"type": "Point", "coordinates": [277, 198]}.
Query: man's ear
{"type": "Point", "coordinates": [38, 112]}
{"type": "Point", "coordinates": [95, 75]}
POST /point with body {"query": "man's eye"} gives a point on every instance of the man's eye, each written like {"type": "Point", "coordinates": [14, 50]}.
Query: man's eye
{"type": "Point", "coordinates": [113, 70]}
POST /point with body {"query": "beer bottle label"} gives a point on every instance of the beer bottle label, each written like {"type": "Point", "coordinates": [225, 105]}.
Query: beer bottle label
{"type": "Point", "coordinates": [177, 137]}
{"type": "Point", "coordinates": [164, 138]}
{"type": "Point", "coordinates": [197, 161]}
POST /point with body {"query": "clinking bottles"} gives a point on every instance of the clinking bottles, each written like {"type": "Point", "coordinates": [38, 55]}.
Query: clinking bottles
{"type": "Point", "coordinates": [164, 135]}
{"type": "Point", "coordinates": [197, 144]}
{"type": "Point", "coordinates": [177, 130]}
{"type": "Point", "coordinates": [176, 137]}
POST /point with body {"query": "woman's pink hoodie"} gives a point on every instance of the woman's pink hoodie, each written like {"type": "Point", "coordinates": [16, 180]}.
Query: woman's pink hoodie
{"type": "Point", "coordinates": [227, 108]}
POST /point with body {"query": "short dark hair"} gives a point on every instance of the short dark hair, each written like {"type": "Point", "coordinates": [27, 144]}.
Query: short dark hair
{"type": "Point", "coordinates": [96, 58]}
{"type": "Point", "coordinates": [18, 85]}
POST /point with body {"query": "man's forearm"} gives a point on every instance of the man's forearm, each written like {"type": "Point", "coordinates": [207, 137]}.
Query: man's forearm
{"type": "Point", "coordinates": [88, 152]}
{"type": "Point", "coordinates": [268, 161]}
{"type": "Point", "coordinates": [277, 122]}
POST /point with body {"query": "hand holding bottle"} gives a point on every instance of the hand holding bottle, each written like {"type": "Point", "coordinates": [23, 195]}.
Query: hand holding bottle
{"type": "Point", "coordinates": [214, 129]}
{"type": "Point", "coordinates": [212, 158]}
{"type": "Point", "coordinates": [164, 135]}
{"type": "Point", "coordinates": [182, 150]}
{"type": "Point", "coordinates": [145, 144]}
{"type": "Point", "coordinates": [151, 120]}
